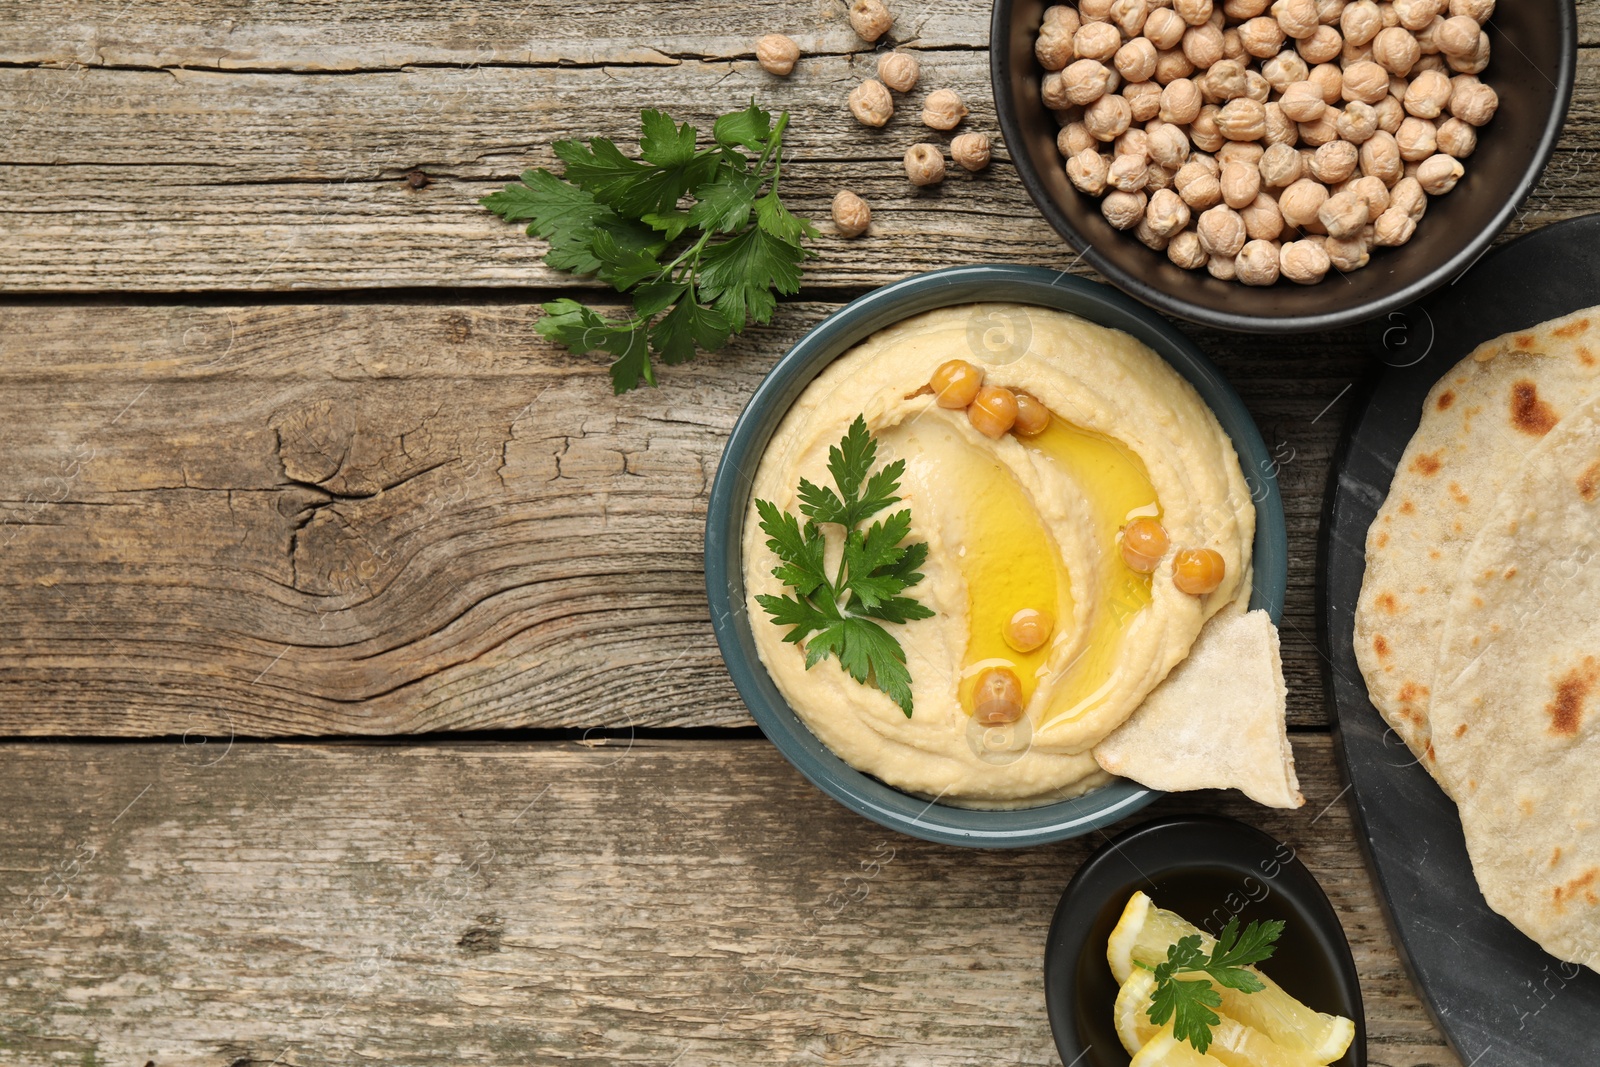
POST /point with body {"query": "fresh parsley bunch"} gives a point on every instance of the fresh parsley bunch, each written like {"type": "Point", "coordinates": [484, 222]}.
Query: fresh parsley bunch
{"type": "Point", "coordinates": [1188, 1002]}
{"type": "Point", "coordinates": [842, 616]}
{"type": "Point", "coordinates": [710, 265]}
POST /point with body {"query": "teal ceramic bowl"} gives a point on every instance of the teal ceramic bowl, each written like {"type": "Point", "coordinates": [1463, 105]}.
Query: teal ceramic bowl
{"type": "Point", "coordinates": [730, 503]}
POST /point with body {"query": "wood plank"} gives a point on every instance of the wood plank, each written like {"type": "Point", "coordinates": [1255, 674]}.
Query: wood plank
{"type": "Point", "coordinates": [663, 902]}
{"type": "Point", "coordinates": [378, 519]}
{"type": "Point", "coordinates": [177, 178]}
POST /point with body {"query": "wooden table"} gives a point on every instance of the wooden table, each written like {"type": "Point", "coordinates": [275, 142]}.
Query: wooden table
{"type": "Point", "coordinates": [361, 700]}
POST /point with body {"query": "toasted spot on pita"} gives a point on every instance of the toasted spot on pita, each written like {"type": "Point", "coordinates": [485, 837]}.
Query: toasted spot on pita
{"type": "Point", "coordinates": [1459, 495]}
{"type": "Point", "coordinates": [1572, 691]}
{"type": "Point", "coordinates": [1530, 414]}
{"type": "Point", "coordinates": [1407, 507]}
{"type": "Point", "coordinates": [1427, 464]}
{"type": "Point", "coordinates": [1555, 856]}
{"type": "Point", "coordinates": [1585, 356]}
{"type": "Point", "coordinates": [1461, 730]}
{"type": "Point", "coordinates": [1411, 691]}
{"type": "Point", "coordinates": [1434, 553]}
{"type": "Point", "coordinates": [1523, 341]}
{"type": "Point", "coordinates": [1511, 572]}
{"type": "Point", "coordinates": [1572, 329]}
{"type": "Point", "coordinates": [1380, 645]}
{"type": "Point", "coordinates": [1388, 603]}
{"type": "Point", "coordinates": [1561, 895]}
{"type": "Point", "coordinates": [1589, 482]}
{"type": "Point", "coordinates": [1382, 540]}
{"type": "Point", "coordinates": [1526, 805]}
{"type": "Point", "coordinates": [1446, 398]}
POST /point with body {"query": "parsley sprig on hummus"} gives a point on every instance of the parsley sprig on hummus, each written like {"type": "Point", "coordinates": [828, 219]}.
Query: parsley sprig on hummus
{"type": "Point", "coordinates": [842, 615]}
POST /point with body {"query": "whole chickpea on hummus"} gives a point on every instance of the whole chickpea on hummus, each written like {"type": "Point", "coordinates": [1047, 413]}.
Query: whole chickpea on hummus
{"type": "Point", "coordinates": [1086, 520]}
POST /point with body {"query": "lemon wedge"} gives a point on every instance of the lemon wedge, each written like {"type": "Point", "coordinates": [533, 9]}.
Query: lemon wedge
{"type": "Point", "coordinates": [1143, 934]}
{"type": "Point", "coordinates": [1232, 1043]}
{"type": "Point", "coordinates": [1164, 1050]}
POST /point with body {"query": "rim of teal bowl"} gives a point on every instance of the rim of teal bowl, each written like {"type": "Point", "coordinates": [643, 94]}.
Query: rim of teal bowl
{"type": "Point", "coordinates": [730, 500]}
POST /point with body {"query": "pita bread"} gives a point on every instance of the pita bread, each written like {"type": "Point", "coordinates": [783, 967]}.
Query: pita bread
{"type": "Point", "coordinates": [1478, 426]}
{"type": "Point", "coordinates": [1516, 711]}
{"type": "Point", "coordinates": [1217, 722]}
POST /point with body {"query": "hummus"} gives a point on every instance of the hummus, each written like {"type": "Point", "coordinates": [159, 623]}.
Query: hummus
{"type": "Point", "coordinates": [1011, 523]}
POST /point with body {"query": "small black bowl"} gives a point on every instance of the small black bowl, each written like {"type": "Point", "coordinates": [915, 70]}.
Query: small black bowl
{"type": "Point", "coordinates": [1534, 54]}
{"type": "Point", "coordinates": [1205, 869]}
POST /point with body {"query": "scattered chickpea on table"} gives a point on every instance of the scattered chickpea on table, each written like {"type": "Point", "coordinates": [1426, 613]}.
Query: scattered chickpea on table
{"type": "Point", "coordinates": [1261, 140]}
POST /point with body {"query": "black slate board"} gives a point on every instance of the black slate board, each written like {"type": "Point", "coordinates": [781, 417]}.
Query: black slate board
{"type": "Point", "coordinates": [1501, 1000]}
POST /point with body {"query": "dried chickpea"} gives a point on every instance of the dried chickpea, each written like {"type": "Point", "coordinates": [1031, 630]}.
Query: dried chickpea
{"type": "Point", "coordinates": [1361, 21]}
{"type": "Point", "coordinates": [1380, 157]}
{"type": "Point", "coordinates": [1124, 210]}
{"type": "Point", "coordinates": [1323, 46]}
{"type": "Point", "coordinates": [1473, 63]}
{"type": "Point", "coordinates": [1084, 81]}
{"type": "Point", "coordinates": [851, 215]}
{"type": "Point", "coordinates": [955, 383]}
{"type": "Point", "coordinates": [1136, 60]}
{"type": "Point", "coordinates": [1168, 145]}
{"type": "Point", "coordinates": [1458, 36]}
{"type": "Point", "coordinates": [1374, 192]}
{"type": "Point", "coordinates": [1095, 10]}
{"type": "Point", "coordinates": [1415, 14]}
{"type": "Point", "coordinates": [993, 411]}
{"type": "Point", "coordinates": [1233, 44]}
{"type": "Point", "coordinates": [870, 19]}
{"type": "Point", "coordinates": [1172, 64]}
{"type": "Point", "coordinates": [1053, 49]}
{"type": "Point", "coordinates": [970, 151]}
{"type": "Point", "coordinates": [1166, 214]}
{"type": "Point", "coordinates": [1408, 196]}
{"type": "Point", "coordinates": [1202, 45]}
{"type": "Point", "coordinates": [1417, 139]}
{"type": "Point", "coordinates": [1280, 166]}
{"type": "Point", "coordinates": [1241, 184]}
{"type": "Point", "coordinates": [1262, 37]}
{"type": "Point", "coordinates": [1281, 129]}
{"type": "Point", "coordinates": [1107, 117]}
{"type": "Point", "coordinates": [1062, 13]}
{"type": "Point", "coordinates": [1301, 202]}
{"type": "Point", "coordinates": [871, 103]}
{"type": "Point", "coordinates": [1365, 81]}
{"type": "Point", "coordinates": [1097, 40]}
{"type": "Point", "coordinates": [1199, 188]}
{"type": "Point", "coordinates": [1329, 11]}
{"type": "Point", "coordinates": [1350, 253]}
{"type": "Point", "coordinates": [1164, 28]}
{"type": "Point", "coordinates": [1239, 152]}
{"type": "Point", "coordinates": [1053, 92]}
{"type": "Point", "coordinates": [1223, 82]}
{"type": "Point", "coordinates": [1298, 18]}
{"type": "Point", "coordinates": [1304, 262]}
{"type": "Point", "coordinates": [1356, 123]}
{"type": "Point", "coordinates": [1256, 87]}
{"type": "Point", "coordinates": [1324, 130]}
{"type": "Point", "coordinates": [1343, 214]}
{"type": "Point", "coordinates": [1434, 62]}
{"type": "Point", "coordinates": [1396, 50]}
{"type": "Point", "coordinates": [1354, 53]}
{"type": "Point", "coordinates": [777, 54]}
{"type": "Point", "coordinates": [1204, 131]}
{"type": "Point", "coordinates": [1438, 174]}
{"type": "Point", "coordinates": [1479, 10]}
{"type": "Point", "coordinates": [1390, 16]}
{"type": "Point", "coordinates": [1335, 162]}
{"type": "Point", "coordinates": [1073, 138]}
{"type": "Point", "coordinates": [1242, 120]}
{"type": "Point", "coordinates": [1128, 173]}
{"type": "Point", "coordinates": [1257, 263]}
{"type": "Point", "coordinates": [1128, 16]}
{"type": "Point", "coordinates": [1184, 251]}
{"type": "Point", "coordinates": [1302, 102]}
{"type": "Point", "coordinates": [1194, 12]}
{"type": "Point", "coordinates": [1223, 268]}
{"type": "Point", "coordinates": [1284, 69]}
{"type": "Point", "coordinates": [1428, 38]}
{"type": "Point", "coordinates": [1393, 228]}
{"type": "Point", "coordinates": [1240, 10]}
{"type": "Point", "coordinates": [1427, 94]}
{"type": "Point", "coordinates": [1263, 221]}
{"type": "Point", "coordinates": [1180, 102]}
{"type": "Point", "coordinates": [943, 110]}
{"type": "Point", "coordinates": [924, 164]}
{"type": "Point", "coordinates": [1456, 138]}
{"type": "Point", "coordinates": [1133, 142]}
{"type": "Point", "coordinates": [1087, 171]}
{"type": "Point", "coordinates": [1144, 100]}
{"type": "Point", "coordinates": [1221, 231]}
{"type": "Point", "coordinates": [1390, 112]}
{"type": "Point", "coordinates": [1473, 102]}
{"type": "Point", "coordinates": [899, 70]}
{"type": "Point", "coordinates": [1329, 77]}
{"type": "Point", "coordinates": [1149, 237]}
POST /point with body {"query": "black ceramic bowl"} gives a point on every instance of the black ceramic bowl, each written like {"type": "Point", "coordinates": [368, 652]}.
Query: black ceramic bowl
{"type": "Point", "coordinates": [1534, 54]}
{"type": "Point", "coordinates": [1205, 869]}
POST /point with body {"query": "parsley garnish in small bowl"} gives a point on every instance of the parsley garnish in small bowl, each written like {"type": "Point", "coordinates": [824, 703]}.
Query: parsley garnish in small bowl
{"type": "Point", "coordinates": [842, 615]}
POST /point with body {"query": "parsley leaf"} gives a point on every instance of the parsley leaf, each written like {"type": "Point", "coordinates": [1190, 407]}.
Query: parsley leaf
{"type": "Point", "coordinates": [1188, 1001]}
{"type": "Point", "coordinates": [697, 230]}
{"type": "Point", "coordinates": [843, 616]}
